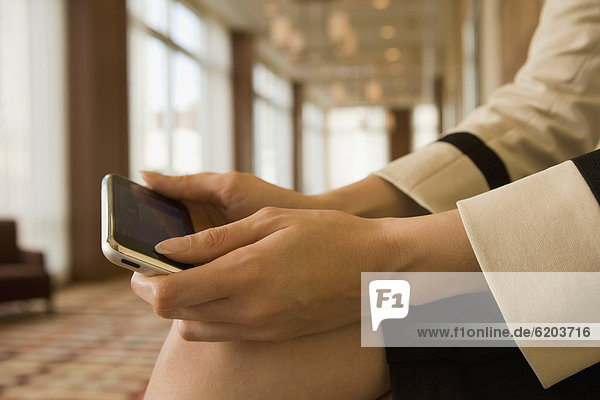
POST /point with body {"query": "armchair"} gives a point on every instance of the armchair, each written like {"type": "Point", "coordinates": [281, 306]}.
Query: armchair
{"type": "Point", "coordinates": [22, 273]}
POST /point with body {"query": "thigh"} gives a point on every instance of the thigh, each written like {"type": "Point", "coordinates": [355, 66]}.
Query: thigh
{"type": "Point", "coordinates": [325, 366]}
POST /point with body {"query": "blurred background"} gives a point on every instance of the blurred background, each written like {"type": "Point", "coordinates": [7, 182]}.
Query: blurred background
{"type": "Point", "coordinates": [307, 94]}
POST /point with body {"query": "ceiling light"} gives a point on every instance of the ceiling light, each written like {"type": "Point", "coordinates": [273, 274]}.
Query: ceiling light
{"type": "Point", "coordinates": [281, 30]}
{"type": "Point", "coordinates": [373, 91]}
{"type": "Point", "coordinates": [380, 4]}
{"type": "Point", "coordinates": [338, 92]}
{"type": "Point", "coordinates": [338, 25]}
{"type": "Point", "coordinates": [270, 10]}
{"type": "Point", "coordinates": [392, 54]}
{"type": "Point", "coordinates": [349, 47]}
{"type": "Point", "coordinates": [297, 43]}
{"type": "Point", "coordinates": [387, 32]}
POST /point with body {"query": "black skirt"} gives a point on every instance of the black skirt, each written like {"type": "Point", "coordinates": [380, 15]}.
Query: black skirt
{"type": "Point", "coordinates": [432, 373]}
{"type": "Point", "coordinates": [479, 373]}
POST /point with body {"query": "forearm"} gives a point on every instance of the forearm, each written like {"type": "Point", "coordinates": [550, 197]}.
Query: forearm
{"type": "Point", "coordinates": [372, 197]}
{"type": "Point", "coordinates": [428, 243]}
{"type": "Point", "coordinates": [433, 243]}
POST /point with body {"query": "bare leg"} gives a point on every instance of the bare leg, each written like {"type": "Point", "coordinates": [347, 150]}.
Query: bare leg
{"type": "Point", "coordinates": [325, 366]}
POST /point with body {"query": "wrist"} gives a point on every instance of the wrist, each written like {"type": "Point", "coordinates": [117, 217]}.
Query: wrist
{"type": "Point", "coordinates": [393, 250]}
{"type": "Point", "coordinates": [333, 200]}
{"type": "Point", "coordinates": [372, 197]}
{"type": "Point", "coordinates": [431, 243]}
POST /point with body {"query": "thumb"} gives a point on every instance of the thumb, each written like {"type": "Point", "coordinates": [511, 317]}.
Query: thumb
{"type": "Point", "coordinates": [213, 243]}
{"type": "Point", "coordinates": [198, 187]}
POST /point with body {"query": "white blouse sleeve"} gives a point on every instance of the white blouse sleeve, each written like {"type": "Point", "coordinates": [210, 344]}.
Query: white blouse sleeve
{"type": "Point", "coordinates": [541, 226]}
{"type": "Point", "coordinates": [549, 114]}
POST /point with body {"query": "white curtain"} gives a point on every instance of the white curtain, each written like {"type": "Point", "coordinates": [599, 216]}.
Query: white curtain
{"type": "Point", "coordinates": [33, 188]}
{"type": "Point", "coordinates": [314, 166]}
{"type": "Point", "coordinates": [273, 135]}
{"type": "Point", "coordinates": [357, 143]}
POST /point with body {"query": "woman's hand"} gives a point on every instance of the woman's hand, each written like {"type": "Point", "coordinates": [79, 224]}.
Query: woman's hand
{"type": "Point", "coordinates": [275, 275]}
{"type": "Point", "coordinates": [216, 199]}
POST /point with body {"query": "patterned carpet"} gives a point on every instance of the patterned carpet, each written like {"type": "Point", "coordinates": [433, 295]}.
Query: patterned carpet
{"type": "Point", "coordinates": [100, 344]}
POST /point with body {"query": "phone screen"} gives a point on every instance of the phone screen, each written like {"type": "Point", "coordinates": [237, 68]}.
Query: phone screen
{"type": "Point", "coordinates": [144, 218]}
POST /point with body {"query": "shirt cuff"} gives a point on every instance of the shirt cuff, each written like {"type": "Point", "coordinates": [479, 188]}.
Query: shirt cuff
{"type": "Point", "coordinates": [547, 222]}
{"type": "Point", "coordinates": [456, 167]}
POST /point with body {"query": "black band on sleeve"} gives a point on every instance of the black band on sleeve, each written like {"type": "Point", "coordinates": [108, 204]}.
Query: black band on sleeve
{"type": "Point", "coordinates": [589, 167]}
{"type": "Point", "coordinates": [488, 162]}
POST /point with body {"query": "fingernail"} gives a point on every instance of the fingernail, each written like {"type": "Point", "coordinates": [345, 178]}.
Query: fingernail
{"type": "Point", "coordinates": [173, 245]}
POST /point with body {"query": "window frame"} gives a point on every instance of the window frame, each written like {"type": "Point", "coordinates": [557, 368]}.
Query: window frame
{"type": "Point", "coordinates": [282, 109]}
{"type": "Point", "coordinates": [201, 60]}
{"type": "Point", "coordinates": [311, 130]}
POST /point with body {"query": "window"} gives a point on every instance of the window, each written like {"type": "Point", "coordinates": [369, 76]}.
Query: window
{"type": "Point", "coordinates": [33, 177]}
{"type": "Point", "coordinates": [273, 149]}
{"type": "Point", "coordinates": [177, 62]}
{"type": "Point", "coordinates": [313, 150]}
{"type": "Point", "coordinates": [357, 143]}
{"type": "Point", "coordinates": [470, 58]}
{"type": "Point", "coordinates": [425, 125]}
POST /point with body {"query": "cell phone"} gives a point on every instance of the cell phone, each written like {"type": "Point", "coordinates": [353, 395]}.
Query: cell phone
{"type": "Point", "coordinates": [134, 220]}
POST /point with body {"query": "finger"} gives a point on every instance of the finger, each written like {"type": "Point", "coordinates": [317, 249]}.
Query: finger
{"type": "Point", "coordinates": [191, 287]}
{"type": "Point", "coordinates": [198, 331]}
{"type": "Point", "coordinates": [222, 310]}
{"type": "Point", "coordinates": [198, 187]}
{"type": "Point", "coordinates": [212, 243]}
{"type": "Point", "coordinates": [204, 216]}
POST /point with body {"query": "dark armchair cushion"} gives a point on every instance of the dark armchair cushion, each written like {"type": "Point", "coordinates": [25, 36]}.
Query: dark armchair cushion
{"type": "Point", "coordinates": [8, 242]}
{"type": "Point", "coordinates": [23, 281]}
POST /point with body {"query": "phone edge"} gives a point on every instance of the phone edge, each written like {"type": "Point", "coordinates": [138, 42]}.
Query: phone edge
{"type": "Point", "coordinates": [115, 252]}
